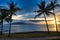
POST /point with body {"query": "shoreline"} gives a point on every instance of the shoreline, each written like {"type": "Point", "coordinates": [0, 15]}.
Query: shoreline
{"type": "Point", "coordinates": [35, 34]}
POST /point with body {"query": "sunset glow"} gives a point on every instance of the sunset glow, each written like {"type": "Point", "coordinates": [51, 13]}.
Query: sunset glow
{"type": "Point", "coordinates": [52, 21]}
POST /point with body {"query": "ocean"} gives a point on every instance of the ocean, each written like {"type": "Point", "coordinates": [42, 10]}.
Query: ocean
{"type": "Point", "coordinates": [29, 28]}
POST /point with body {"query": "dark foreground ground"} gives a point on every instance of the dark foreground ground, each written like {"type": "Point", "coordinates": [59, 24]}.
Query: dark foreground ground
{"type": "Point", "coordinates": [32, 36]}
{"type": "Point", "coordinates": [39, 38]}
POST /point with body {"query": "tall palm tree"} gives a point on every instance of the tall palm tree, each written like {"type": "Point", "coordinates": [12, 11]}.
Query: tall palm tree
{"type": "Point", "coordinates": [0, 24]}
{"type": "Point", "coordinates": [12, 9]}
{"type": "Point", "coordinates": [2, 16]}
{"type": "Point", "coordinates": [53, 5]}
{"type": "Point", "coordinates": [44, 9]}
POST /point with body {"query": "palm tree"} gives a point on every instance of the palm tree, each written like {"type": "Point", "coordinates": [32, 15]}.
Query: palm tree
{"type": "Point", "coordinates": [53, 5]}
{"type": "Point", "coordinates": [0, 24]}
{"type": "Point", "coordinates": [2, 16]}
{"type": "Point", "coordinates": [12, 9]}
{"type": "Point", "coordinates": [44, 9]}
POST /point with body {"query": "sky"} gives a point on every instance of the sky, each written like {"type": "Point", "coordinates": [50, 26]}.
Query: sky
{"type": "Point", "coordinates": [27, 6]}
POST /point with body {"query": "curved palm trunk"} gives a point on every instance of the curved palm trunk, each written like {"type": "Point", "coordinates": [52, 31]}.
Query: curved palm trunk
{"type": "Point", "coordinates": [2, 27]}
{"type": "Point", "coordinates": [46, 23]}
{"type": "Point", "coordinates": [55, 20]}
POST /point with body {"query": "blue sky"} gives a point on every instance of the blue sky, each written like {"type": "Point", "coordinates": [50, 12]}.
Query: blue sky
{"type": "Point", "coordinates": [27, 6]}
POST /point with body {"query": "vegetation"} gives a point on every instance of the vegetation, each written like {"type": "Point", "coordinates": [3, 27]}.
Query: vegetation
{"type": "Point", "coordinates": [12, 9]}
{"type": "Point", "coordinates": [45, 9]}
{"type": "Point", "coordinates": [53, 5]}
{"type": "Point", "coordinates": [3, 15]}
{"type": "Point", "coordinates": [8, 17]}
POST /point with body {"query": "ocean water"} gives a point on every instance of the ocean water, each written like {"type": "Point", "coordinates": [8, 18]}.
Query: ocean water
{"type": "Point", "coordinates": [29, 28]}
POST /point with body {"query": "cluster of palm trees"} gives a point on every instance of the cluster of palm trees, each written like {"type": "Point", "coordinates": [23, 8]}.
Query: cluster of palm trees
{"type": "Point", "coordinates": [6, 14]}
{"type": "Point", "coordinates": [46, 9]}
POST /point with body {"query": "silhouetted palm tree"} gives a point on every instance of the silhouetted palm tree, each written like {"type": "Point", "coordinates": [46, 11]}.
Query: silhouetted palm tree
{"type": "Point", "coordinates": [53, 5]}
{"type": "Point", "coordinates": [44, 9]}
{"type": "Point", "coordinates": [0, 24]}
{"type": "Point", "coordinates": [12, 9]}
{"type": "Point", "coordinates": [3, 15]}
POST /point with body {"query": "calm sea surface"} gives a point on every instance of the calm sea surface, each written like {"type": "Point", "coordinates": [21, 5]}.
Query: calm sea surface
{"type": "Point", "coordinates": [29, 28]}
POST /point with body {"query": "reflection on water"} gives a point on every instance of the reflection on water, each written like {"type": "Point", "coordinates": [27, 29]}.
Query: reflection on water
{"type": "Point", "coordinates": [28, 28]}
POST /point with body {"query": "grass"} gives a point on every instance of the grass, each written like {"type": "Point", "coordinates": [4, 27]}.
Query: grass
{"type": "Point", "coordinates": [30, 35]}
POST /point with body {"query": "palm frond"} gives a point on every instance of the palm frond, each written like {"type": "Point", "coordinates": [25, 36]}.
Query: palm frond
{"type": "Point", "coordinates": [47, 13]}
{"type": "Point", "coordinates": [49, 7]}
{"type": "Point", "coordinates": [55, 1]}
{"type": "Point", "coordinates": [8, 19]}
{"type": "Point", "coordinates": [38, 11]}
{"type": "Point", "coordinates": [13, 13]}
{"type": "Point", "coordinates": [52, 13]}
{"type": "Point", "coordinates": [2, 10]}
{"type": "Point", "coordinates": [37, 15]}
{"type": "Point", "coordinates": [0, 17]}
{"type": "Point", "coordinates": [54, 4]}
{"type": "Point", "coordinates": [12, 5]}
{"type": "Point", "coordinates": [39, 6]}
{"type": "Point", "coordinates": [17, 9]}
{"type": "Point", "coordinates": [13, 8]}
{"type": "Point", "coordinates": [4, 13]}
{"type": "Point", "coordinates": [57, 5]}
{"type": "Point", "coordinates": [43, 3]}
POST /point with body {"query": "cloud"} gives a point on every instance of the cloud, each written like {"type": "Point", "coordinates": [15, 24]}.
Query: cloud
{"type": "Point", "coordinates": [17, 17]}
{"type": "Point", "coordinates": [28, 16]}
{"type": "Point", "coordinates": [31, 15]}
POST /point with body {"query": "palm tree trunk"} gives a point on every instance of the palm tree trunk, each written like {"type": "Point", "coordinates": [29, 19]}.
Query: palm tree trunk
{"type": "Point", "coordinates": [55, 20]}
{"type": "Point", "coordinates": [10, 25]}
{"type": "Point", "coordinates": [46, 23]}
{"type": "Point", "coordinates": [9, 29]}
{"type": "Point", "coordinates": [2, 27]}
